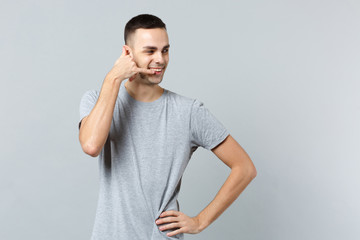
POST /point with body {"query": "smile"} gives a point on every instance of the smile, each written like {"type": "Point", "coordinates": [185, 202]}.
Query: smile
{"type": "Point", "coordinates": [157, 69]}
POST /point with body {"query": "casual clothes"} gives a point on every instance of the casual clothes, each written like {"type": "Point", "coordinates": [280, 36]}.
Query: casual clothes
{"type": "Point", "coordinates": [144, 158]}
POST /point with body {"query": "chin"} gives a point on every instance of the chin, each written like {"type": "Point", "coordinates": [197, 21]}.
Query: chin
{"type": "Point", "coordinates": [155, 80]}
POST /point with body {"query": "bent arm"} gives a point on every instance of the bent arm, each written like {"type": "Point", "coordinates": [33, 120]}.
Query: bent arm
{"type": "Point", "coordinates": [95, 127]}
{"type": "Point", "coordinates": [242, 173]}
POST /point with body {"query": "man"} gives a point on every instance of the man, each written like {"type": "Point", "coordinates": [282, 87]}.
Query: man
{"type": "Point", "coordinates": [144, 136]}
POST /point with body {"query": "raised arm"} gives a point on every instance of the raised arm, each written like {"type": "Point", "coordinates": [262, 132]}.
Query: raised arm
{"type": "Point", "coordinates": [94, 128]}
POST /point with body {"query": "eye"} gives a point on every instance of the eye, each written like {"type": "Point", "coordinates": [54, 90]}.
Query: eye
{"type": "Point", "coordinates": [165, 50]}
{"type": "Point", "coordinates": [150, 51]}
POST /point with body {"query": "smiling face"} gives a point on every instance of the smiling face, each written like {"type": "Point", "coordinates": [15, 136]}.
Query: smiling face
{"type": "Point", "coordinates": [150, 49]}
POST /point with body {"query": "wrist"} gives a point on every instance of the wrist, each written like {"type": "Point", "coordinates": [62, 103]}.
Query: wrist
{"type": "Point", "coordinates": [201, 223]}
{"type": "Point", "coordinates": [114, 78]}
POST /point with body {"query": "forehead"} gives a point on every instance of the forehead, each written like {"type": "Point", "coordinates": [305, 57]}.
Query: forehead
{"type": "Point", "coordinates": [156, 37]}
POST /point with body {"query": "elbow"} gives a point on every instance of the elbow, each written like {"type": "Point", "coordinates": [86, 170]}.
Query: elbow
{"type": "Point", "coordinates": [253, 172]}
{"type": "Point", "coordinates": [89, 145]}
{"type": "Point", "coordinates": [248, 172]}
{"type": "Point", "coordinates": [92, 153]}
{"type": "Point", "coordinates": [91, 150]}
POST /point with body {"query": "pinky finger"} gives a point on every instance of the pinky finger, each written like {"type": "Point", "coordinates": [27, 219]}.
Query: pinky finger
{"type": "Point", "coordinates": [132, 78]}
{"type": "Point", "coordinates": [173, 233]}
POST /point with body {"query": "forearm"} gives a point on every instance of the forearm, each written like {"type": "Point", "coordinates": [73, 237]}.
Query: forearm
{"type": "Point", "coordinates": [228, 193]}
{"type": "Point", "coordinates": [95, 128]}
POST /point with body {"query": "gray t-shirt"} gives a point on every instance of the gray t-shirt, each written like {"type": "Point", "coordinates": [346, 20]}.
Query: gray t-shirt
{"type": "Point", "coordinates": [142, 162]}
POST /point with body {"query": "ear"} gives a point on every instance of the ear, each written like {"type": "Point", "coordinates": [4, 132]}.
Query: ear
{"type": "Point", "coordinates": [128, 50]}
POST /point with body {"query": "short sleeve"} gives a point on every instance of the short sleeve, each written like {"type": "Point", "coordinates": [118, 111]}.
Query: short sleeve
{"type": "Point", "coordinates": [206, 130]}
{"type": "Point", "coordinates": [87, 103]}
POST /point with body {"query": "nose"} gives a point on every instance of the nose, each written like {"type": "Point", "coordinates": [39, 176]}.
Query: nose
{"type": "Point", "coordinates": [159, 58]}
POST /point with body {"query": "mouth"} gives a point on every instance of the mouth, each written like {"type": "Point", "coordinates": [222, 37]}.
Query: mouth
{"type": "Point", "coordinates": [158, 71]}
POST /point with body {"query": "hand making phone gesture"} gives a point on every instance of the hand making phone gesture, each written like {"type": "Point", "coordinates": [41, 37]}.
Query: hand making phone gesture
{"type": "Point", "coordinates": [125, 67]}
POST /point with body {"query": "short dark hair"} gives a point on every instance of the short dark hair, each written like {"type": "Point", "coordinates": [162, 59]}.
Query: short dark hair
{"type": "Point", "coordinates": [146, 21]}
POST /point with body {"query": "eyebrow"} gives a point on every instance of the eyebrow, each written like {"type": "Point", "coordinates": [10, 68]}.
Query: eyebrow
{"type": "Point", "coordinates": [154, 48]}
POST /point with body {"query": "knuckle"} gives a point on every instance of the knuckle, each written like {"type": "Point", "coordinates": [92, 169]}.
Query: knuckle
{"type": "Point", "coordinates": [169, 219]}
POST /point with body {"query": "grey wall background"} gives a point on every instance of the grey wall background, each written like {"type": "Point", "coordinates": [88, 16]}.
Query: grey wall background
{"type": "Point", "coordinates": [282, 76]}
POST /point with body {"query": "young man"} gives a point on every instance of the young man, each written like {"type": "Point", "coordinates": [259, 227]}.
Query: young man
{"type": "Point", "coordinates": [145, 136]}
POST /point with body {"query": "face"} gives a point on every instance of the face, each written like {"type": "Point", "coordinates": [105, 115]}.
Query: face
{"type": "Point", "coordinates": [150, 49]}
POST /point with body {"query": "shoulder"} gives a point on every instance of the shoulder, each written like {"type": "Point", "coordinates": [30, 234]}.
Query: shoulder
{"type": "Point", "coordinates": [90, 96]}
{"type": "Point", "coordinates": [91, 93]}
{"type": "Point", "coordinates": [187, 104]}
{"type": "Point", "coordinates": [181, 100]}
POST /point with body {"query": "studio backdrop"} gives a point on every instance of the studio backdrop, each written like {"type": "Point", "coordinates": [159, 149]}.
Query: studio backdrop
{"type": "Point", "coordinates": [282, 76]}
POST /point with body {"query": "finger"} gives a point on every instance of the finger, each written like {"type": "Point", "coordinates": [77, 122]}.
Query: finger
{"type": "Point", "coordinates": [173, 233]}
{"type": "Point", "coordinates": [170, 226]}
{"type": "Point", "coordinates": [146, 71]}
{"type": "Point", "coordinates": [166, 220]}
{"type": "Point", "coordinates": [170, 213]}
{"type": "Point", "coordinates": [132, 78]}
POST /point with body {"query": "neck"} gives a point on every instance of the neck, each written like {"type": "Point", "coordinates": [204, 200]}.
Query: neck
{"type": "Point", "coordinates": [143, 92]}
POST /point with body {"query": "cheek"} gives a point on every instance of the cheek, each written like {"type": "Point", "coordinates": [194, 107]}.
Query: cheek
{"type": "Point", "coordinates": [144, 61]}
{"type": "Point", "coordinates": [140, 59]}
